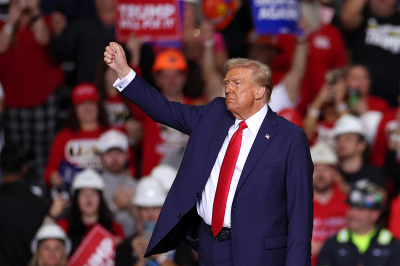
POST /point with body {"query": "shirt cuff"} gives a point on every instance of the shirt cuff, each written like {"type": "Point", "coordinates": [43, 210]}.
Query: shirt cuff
{"type": "Point", "coordinates": [121, 84]}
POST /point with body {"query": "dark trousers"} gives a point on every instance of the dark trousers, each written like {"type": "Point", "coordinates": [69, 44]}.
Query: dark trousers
{"type": "Point", "coordinates": [213, 252]}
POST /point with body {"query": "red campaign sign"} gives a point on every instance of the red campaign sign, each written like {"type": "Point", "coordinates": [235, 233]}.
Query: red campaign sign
{"type": "Point", "coordinates": [152, 20]}
{"type": "Point", "coordinates": [97, 249]}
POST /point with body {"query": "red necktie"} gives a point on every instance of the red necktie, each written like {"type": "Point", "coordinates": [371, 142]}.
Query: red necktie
{"type": "Point", "coordinates": [224, 180]}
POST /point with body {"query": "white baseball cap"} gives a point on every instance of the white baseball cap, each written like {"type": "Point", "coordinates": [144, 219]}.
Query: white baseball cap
{"type": "Point", "coordinates": [50, 231]}
{"type": "Point", "coordinates": [348, 124]}
{"type": "Point", "coordinates": [321, 153]}
{"type": "Point", "coordinates": [113, 139]}
{"type": "Point", "coordinates": [149, 193]}
{"type": "Point", "coordinates": [87, 178]}
{"type": "Point", "coordinates": [165, 174]}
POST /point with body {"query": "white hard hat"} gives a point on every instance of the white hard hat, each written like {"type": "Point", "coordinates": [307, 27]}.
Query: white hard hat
{"type": "Point", "coordinates": [50, 231]}
{"type": "Point", "coordinates": [371, 121]}
{"type": "Point", "coordinates": [149, 193]}
{"type": "Point", "coordinates": [87, 178]}
{"type": "Point", "coordinates": [113, 139]}
{"type": "Point", "coordinates": [165, 174]}
{"type": "Point", "coordinates": [348, 124]}
{"type": "Point", "coordinates": [321, 153]}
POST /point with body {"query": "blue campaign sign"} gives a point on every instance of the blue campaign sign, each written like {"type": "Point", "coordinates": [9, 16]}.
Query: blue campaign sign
{"type": "Point", "coordinates": [271, 17]}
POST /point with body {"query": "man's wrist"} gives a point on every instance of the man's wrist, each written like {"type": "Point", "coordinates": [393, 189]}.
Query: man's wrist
{"type": "Point", "coordinates": [123, 72]}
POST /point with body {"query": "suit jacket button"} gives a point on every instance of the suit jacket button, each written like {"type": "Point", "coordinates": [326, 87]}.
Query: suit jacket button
{"type": "Point", "coordinates": [179, 215]}
{"type": "Point", "coordinates": [197, 195]}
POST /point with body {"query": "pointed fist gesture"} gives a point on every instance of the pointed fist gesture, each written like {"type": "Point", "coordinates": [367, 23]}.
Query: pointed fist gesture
{"type": "Point", "coordinates": [115, 58]}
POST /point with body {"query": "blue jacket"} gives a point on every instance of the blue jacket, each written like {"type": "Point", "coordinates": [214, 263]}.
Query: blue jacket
{"type": "Point", "coordinates": [272, 211]}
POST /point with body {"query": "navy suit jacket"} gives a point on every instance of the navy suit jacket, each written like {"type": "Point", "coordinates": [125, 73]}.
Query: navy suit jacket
{"type": "Point", "coordinates": [272, 211]}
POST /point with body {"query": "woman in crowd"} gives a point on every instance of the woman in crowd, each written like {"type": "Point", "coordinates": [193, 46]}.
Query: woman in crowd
{"type": "Point", "coordinates": [75, 147]}
{"type": "Point", "coordinates": [30, 77]}
{"type": "Point", "coordinates": [50, 247]}
{"type": "Point", "coordinates": [88, 208]}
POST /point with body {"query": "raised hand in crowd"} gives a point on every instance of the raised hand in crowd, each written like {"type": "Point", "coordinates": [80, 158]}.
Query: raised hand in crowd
{"type": "Point", "coordinates": [139, 245]}
{"type": "Point", "coordinates": [133, 45]}
{"type": "Point", "coordinates": [59, 22]}
{"type": "Point", "coordinates": [58, 206]}
{"type": "Point", "coordinates": [55, 179]}
{"type": "Point", "coordinates": [123, 197]}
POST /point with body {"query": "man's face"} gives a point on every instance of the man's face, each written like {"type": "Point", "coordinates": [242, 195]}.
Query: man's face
{"type": "Point", "coordinates": [149, 214]}
{"type": "Point", "coordinates": [323, 177]}
{"type": "Point", "coordinates": [114, 160]}
{"type": "Point", "coordinates": [240, 92]}
{"type": "Point", "coordinates": [349, 145]}
{"type": "Point", "coordinates": [382, 5]}
{"type": "Point", "coordinates": [104, 5]}
{"type": "Point", "coordinates": [361, 218]}
{"type": "Point", "coordinates": [170, 82]}
{"type": "Point", "coordinates": [358, 78]}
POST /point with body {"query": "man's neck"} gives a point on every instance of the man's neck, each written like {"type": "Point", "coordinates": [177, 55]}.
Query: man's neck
{"type": "Point", "coordinates": [364, 230]}
{"type": "Point", "coordinates": [323, 196]}
{"type": "Point", "coordinates": [107, 16]}
{"type": "Point", "coordinates": [352, 165]}
{"type": "Point", "coordinates": [11, 178]}
{"type": "Point", "coordinates": [116, 173]}
{"type": "Point", "coordinates": [175, 97]}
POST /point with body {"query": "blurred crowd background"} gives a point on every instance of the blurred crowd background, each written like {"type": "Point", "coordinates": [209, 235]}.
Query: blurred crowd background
{"type": "Point", "coordinates": [75, 151]}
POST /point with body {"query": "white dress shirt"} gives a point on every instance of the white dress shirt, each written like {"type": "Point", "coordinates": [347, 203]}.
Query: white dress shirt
{"type": "Point", "coordinates": [205, 205]}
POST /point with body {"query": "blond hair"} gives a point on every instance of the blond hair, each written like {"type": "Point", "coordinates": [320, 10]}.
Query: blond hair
{"type": "Point", "coordinates": [261, 73]}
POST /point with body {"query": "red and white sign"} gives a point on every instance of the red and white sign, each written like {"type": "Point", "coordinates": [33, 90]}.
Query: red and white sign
{"type": "Point", "coordinates": [97, 249]}
{"type": "Point", "coordinates": [152, 20]}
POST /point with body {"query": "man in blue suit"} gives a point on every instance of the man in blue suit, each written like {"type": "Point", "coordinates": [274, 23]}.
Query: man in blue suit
{"type": "Point", "coordinates": [243, 193]}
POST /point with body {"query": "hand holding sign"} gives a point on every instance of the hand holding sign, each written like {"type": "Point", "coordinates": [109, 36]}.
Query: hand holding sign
{"type": "Point", "coordinates": [115, 58]}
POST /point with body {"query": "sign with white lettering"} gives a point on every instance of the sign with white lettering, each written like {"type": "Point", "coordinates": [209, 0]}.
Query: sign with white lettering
{"type": "Point", "coordinates": [271, 17]}
{"type": "Point", "coordinates": [152, 20]}
{"type": "Point", "coordinates": [97, 249]}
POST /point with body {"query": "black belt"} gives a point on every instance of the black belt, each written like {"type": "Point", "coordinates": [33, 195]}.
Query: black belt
{"type": "Point", "coordinates": [224, 234]}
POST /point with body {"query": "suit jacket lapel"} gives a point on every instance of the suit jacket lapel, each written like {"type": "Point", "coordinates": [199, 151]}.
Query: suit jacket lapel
{"type": "Point", "coordinates": [260, 144]}
{"type": "Point", "coordinates": [220, 132]}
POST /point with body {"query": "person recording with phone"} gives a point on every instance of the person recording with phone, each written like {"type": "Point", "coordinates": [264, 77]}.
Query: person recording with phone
{"type": "Point", "coordinates": [358, 85]}
{"type": "Point", "coordinates": [327, 107]}
{"type": "Point", "coordinates": [149, 198]}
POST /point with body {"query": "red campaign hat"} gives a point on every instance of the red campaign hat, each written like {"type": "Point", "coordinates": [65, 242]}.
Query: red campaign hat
{"type": "Point", "coordinates": [219, 12]}
{"type": "Point", "coordinates": [292, 115]}
{"type": "Point", "coordinates": [85, 92]}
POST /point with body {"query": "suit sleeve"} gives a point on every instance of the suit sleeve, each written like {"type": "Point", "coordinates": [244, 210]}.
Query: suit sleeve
{"type": "Point", "coordinates": [182, 117]}
{"type": "Point", "coordinates": [300, 205]}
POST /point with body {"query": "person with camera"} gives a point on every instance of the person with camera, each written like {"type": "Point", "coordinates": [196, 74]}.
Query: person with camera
{"type": "Point", "coordinates": [327, 107]}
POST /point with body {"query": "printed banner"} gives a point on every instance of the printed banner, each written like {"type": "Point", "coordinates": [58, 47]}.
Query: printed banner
{"type": "Point", "coordinates": [272, 17]}
{"type": "Point", "coordinates": [97, 249]}
{"type": "Point", "coordinates": [152, 20]}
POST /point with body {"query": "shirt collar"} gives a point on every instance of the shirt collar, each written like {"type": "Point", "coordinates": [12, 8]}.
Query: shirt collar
{"type": "Point", "coordinates": [254, 122]}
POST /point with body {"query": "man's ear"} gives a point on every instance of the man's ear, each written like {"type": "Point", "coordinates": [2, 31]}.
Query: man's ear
{"type": "Point", "coordinates": [260, 93]}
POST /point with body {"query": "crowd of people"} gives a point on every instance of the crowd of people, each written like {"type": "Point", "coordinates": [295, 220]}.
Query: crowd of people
{"type": "Point", "coordinates": [75, 153]}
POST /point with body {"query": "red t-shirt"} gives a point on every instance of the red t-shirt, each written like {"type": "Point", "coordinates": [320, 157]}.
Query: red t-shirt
{"type": "Point", "coordinates": [28, 72]}
{"type": "Point", "coordinates": [376, 103]}
{"type": "Point", "coordinates": [394, 217]}
{"type": "Point", "coordinates": [329, 218]}
{"type": "Point", "coordinates": [116, 227]}
{"type": "Point", "coordinates": [78, 148]}
{"type": "Point", "coordinates": [379, 148]}
{"type": "Point", "coordinates": [158, 140]}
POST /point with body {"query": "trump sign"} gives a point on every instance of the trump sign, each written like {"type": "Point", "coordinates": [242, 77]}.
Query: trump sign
{"type": "Point", "coordinates": [152, 20]}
